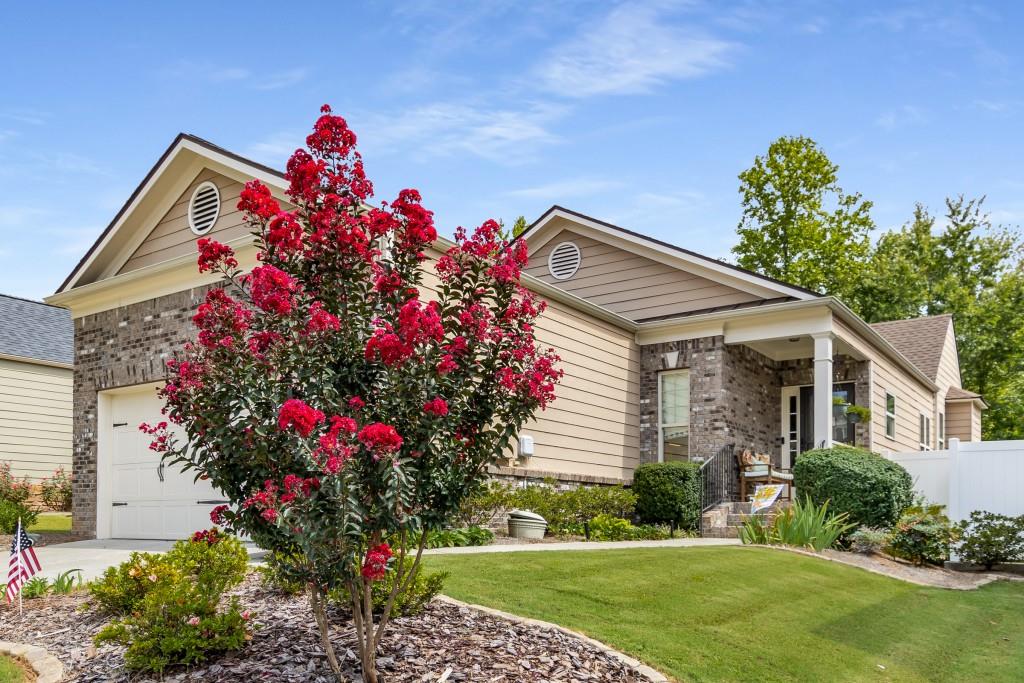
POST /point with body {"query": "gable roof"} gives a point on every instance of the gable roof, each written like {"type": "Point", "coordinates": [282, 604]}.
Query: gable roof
{"type": "Point", "coordinates": [183, 144]}
{"type": "Point", "coordinates": [684, 256]}
{"type": "Point", "coordinates": [921, 340]}
{"type": "Point", "coordinates": [36, 331]}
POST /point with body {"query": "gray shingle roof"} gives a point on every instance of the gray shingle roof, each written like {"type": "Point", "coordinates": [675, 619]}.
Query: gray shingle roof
{"type": "Point", "coordinates": [32, 329]}
{"type": "Point", "coordinates": [920, 340]}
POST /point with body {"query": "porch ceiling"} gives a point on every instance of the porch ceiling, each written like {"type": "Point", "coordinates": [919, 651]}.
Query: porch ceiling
{"type": "Point", "coordinates": [799, 346]}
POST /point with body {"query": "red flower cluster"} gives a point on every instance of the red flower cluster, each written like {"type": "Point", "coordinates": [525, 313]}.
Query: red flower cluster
{"type": "Point", "coordinates": [215, 256]}
{"type": "Point", "coordinates": [217, 514]}
{"type": "Point", "coordinates": [294, 485]}
{"type": "Point", "coordinates": [331, 165]}
{"type": "Point", "coordinates": [284, 233]}
{"type": "Point", "coordinates": [417, 229]}
{"type": "Point", "coordinates": [320, 320]}
{"type": "Point", "coordinates": [256, 201]}
{"type": "Point", "coordinates": [272, 289]}
{"type": "Point", "coordinates": [437, 406]}
{"type": "Point", "coordinates": [221, 320]}
{"type": "Point", "coordinates": [376, 564]}
{"type": "Point", "coordinates": [417, 324]}
{"type": "Point", "coordinates": [265, 501]}
{"type": "Point", "coordinates": [333, 452]}
{"type": "Point", "coordinates": [380, 439]}
{"type": "Point", "coordinates": [297, 414]}
{"type": "Point", "coordinates": [207, 536]}
{"type": "Point", "coordinates": [261, 342]}
{"type": "Point", "coordinates": [184, 376]}
{"type": "Point", "coordinates": [161, 436]}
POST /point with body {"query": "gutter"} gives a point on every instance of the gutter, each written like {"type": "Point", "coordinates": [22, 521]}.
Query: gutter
{"type": "Point", "coordinates": [37, 361]}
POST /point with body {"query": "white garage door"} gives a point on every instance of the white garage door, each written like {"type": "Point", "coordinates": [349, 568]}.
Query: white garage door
{"type": "Point", "coordinates": [151, 500]}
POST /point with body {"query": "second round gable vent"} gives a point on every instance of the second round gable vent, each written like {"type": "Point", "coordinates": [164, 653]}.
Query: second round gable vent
{"type": "Point", "coordinates": [564, 261]}
{"type": "Point", "coordinates": [204, 208]}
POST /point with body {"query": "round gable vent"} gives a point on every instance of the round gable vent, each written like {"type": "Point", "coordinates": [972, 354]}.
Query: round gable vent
{"type": "Point", "coordinates": [204, 208]}
{"type": "Point", "coordinates": [564, 261]}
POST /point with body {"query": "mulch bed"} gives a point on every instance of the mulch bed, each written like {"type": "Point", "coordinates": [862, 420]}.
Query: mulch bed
{"type": "Point", "coordinates": [286, 646]}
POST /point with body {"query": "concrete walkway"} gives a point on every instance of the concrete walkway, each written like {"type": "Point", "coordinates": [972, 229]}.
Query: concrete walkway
{"type": "Point", "coordinates": [93, 557]}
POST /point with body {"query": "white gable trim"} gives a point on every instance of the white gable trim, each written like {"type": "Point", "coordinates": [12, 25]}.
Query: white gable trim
{"type": "Point", "coordinates": [537, 236]}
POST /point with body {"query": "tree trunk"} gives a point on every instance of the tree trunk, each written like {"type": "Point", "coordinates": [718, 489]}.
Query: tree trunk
{"type": "Point", "coordinates": [316, 603]}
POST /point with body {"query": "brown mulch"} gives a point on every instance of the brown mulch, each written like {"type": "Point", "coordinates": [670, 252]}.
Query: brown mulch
{"type": "Point", "coordinates": [286, 646]}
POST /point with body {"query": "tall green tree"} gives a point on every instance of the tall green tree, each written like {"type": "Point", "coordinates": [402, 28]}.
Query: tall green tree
{"type": "Point", "coordinates": [798, 225]}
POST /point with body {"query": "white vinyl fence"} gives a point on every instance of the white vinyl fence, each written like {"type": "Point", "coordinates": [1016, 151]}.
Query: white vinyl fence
{"type": "Point", "coordinates": [976, 475]}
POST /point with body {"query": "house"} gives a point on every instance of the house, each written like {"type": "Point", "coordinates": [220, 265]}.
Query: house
{"type": "Point", "coordinates": [36, 354]}
{"type": "Point", "coordinates": [668, 354]}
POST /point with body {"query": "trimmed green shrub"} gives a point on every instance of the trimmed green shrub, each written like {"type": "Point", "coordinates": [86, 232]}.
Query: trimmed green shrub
{"type": "Point", "coordinates": [922, 535]}
{"type": "Point", "coordinates": [459, 538]}
{"type": "Point", "coordinates": [668, 493]}
{"type": "Point", "coordinates": [988, 539]}
{"type": "Point", "coordinates": [10, 511]}
{"type": "Point", "coordinates": [482, 506]}
{"type": "Point", "coordinates": [873, 491]}
{"type": "Point", "coordinates": [609, 528]}
{"type": "Point", "coordinates": [171, 606]}
{"type": "Point", "coordinates": [566, 511]}
{"type": "Point", "coordinates": [868, 540]}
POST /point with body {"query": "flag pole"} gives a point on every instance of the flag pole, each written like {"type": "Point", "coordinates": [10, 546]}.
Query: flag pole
{"type": "Point", "coordinates": [17, 543]}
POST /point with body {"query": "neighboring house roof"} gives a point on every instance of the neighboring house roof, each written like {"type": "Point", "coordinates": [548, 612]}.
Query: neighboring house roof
{"type": "Point", "coordinates": [36, 331]}
{"type": "Point", "coordinates": [958, 394]}
{"type": "Point", "coordinates": [777, 286]}
{"type": "Point", "coordinates": [921, 340]}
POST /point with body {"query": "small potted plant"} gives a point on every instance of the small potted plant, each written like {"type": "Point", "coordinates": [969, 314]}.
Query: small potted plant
{"type": "Point", "coordinates": [858, 414]}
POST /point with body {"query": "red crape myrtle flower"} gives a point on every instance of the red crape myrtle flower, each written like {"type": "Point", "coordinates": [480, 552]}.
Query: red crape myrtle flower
{"type": "Point", "coordinates": [215, 256]}
{"type": "Point", "coordinates": [298, 415]}
{"type": "Point", "coordinates": [376, 564]}
{"type": "Point", "coordinates": [437, 406]}
{"type": "Point", "coordinates": [380, 439]}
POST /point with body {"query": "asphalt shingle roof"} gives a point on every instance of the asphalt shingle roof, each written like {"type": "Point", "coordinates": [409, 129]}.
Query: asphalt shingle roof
{"type": "Point", "coordinates": [954, 393]}
{"type": "Point", "coordinates": [920, 340]}
{"type": "Point", "coordinates": [31, 329]}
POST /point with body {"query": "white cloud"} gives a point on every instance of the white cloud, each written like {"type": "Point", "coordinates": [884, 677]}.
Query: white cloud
{"type": "Point", "coordinates": [443, 129]}
{"type": "Point", "coordinates": [205, 72]}
{"type": "Point", "coordinates": [899, 117]}
{"type": "Point", "coordinates": [632, 50]}
{"type": "Point", "coordinates": [275, 149]}
{"type": "Point", "coordinates": [281, 79]}
{"type": "Point", "coordinates": [575, 187]}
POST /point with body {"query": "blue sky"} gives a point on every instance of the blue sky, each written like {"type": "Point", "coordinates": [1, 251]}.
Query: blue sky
{"type": "Point", "coordinates": [639, 113]}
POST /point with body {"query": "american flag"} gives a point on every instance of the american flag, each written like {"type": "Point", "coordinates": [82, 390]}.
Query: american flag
{"type": "Point", "coordinates": [23, 564]}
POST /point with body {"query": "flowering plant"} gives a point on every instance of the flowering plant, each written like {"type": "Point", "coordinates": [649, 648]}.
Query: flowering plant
{"type": "Point", "coordinates": [342, 396]}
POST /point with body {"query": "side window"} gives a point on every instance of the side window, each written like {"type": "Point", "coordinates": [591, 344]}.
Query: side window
{"type": "Point", "coordinates": [925, 429]}
{"type": "Point", "coordinates": [674, 415]}
{"type": "Point", "coordinates": [942, 431]}
{"type": "Point", "coordinates": [890, 416]}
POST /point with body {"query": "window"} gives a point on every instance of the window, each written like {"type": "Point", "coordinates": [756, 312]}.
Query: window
{"type": "Point", "coordinates": [890, 416]}
{"type": "Point", "coordinates": [674, 415]}
{"type": "Point", "coordinates": [843, 429]}
{"type": "Point", "coordinates": [925, 429]}
{"type": "Point", "coordinates": [942, 431]}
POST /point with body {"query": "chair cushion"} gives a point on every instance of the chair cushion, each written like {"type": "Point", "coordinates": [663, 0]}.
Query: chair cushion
{"type": "Point", "coordinates": [762, 473]}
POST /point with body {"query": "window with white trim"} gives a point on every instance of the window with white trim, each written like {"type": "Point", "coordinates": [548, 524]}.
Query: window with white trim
{"type": "Point", "coordinates": [890, 416]}
{"type": "Point", "coordinates": [674, 415]}
{"type": "Point", "coordinates": [925, 432]}
{"type": "Point", "coordinates": [942, 431]}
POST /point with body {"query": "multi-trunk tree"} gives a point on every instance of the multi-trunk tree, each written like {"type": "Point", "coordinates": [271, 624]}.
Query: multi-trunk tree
{"type": "Point", "coordinates": [348, 392]}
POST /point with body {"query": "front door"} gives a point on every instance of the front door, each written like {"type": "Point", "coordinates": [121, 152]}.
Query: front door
{"type": "Point", "coordinates": [798, 419]}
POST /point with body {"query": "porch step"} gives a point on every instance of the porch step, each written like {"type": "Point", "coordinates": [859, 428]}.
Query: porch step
{"type": "Point", "coordinates": [726, 519]}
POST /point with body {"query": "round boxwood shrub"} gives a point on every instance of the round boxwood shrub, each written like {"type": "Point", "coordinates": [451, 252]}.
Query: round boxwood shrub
{"type": "Point", "coordinates": [873, 491]}
{"type": "Point", "coordinates": [668, 493]}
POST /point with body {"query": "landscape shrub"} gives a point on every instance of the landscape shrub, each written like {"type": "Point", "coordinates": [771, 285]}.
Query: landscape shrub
{"type": "Point", "coordinates": [459, 538]}
{"type": "Point", "coordinates": [274, 574]}
{"type": "Point", "coordinates": [801, 525]}
{"type": "Point", "coordinates": [988, 539]}
{"type": "Point", "coordinates": [922, 535]}
{"type": "Point", "coordinates": [11, 511]}
{"type": "Point", "coordinates": [422, 588]}
{"type": "Point", "coordinates": [668, 493]}
{"type": "Point", "coordinates": [868, 540]}
{"type": "Point", "coordinates": [871, 490]}
{"type": "Point", "coordinates": [12, 488]}
{"type": "Point", "coordinates": [567, 511]}
{"type": "Point", "coordinates": [56, 491]}
{"type": "Point", "coordinates": [171, 606]}
{"type": "Point", "coordinates": [483, 506]}
{"type": "Point", "coordinates": [608, 528]}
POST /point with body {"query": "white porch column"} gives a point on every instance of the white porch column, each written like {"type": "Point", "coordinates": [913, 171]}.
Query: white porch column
{"type": "Point", "coordinates": [822, 389]}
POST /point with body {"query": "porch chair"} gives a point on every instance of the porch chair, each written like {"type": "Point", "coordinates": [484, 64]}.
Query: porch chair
{"type": "Point", "coordinates": [757, 468]}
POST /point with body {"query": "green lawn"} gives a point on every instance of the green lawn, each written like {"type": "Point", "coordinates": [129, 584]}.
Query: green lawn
{"type": "Point", "coordinates": [49, 522]}
{"type": "Point", "coordinates": [754, 614]}
{"type": "Point", "coordinates": [10, 672]}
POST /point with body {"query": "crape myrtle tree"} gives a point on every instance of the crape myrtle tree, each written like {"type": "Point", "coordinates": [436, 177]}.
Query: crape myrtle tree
{"type": "Point", "coordinates": [342, 406]}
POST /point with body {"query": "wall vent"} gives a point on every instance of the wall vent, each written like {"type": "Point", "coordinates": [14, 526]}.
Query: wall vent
{"type": "Point", "coordinates": [564, 261]}
{"type": "Point", "coordinates": [204, 208]}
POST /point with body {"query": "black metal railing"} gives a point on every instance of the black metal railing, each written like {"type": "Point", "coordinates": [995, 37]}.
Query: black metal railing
{"type": "Point", "coordinates": [719, 477]}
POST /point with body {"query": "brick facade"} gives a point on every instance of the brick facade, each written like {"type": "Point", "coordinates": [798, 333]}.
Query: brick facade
{"type": "Point", "coordinates": [117, 348]}
{"type": "Point", "coordinates": [735, 394]}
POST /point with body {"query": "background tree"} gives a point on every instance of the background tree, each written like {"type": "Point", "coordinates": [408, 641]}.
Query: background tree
{"type": "Point", "coordinates": [342, 413]}
{"type": "Point", "coordinates": [798, 225]}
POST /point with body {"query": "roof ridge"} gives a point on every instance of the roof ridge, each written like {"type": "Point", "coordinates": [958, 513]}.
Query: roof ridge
{"type": "Point", "coordinates": [916, 317]}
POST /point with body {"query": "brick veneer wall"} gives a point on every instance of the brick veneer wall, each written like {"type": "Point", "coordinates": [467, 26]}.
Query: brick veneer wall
{"type": "Point", "coordinates": [735, 394]}
{"type": "Point", "coordinates": [118, 348]}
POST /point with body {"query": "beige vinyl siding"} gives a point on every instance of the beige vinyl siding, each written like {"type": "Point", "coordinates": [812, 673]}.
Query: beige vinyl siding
{"type": "Point", "coordinates": [171, 237]}
{"type": "Point", "coordinates": [948, 374]}
{"type": "Point", "coordinates": [960, 420]}
{"type": "Point", "coordinates": [593, 426]}
{"type": "Point", "coordinates": [631, 285]}
{"type": "Point", "coordinates": [35, 418]}
{"type": "Point", "coordinates": [912, 397]}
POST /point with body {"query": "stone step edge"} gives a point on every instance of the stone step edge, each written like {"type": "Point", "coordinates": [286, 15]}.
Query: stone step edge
{"type": "Point", "coordinates": [47, 667]}
{"type": "Point", "coordinates": [648, 673]}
